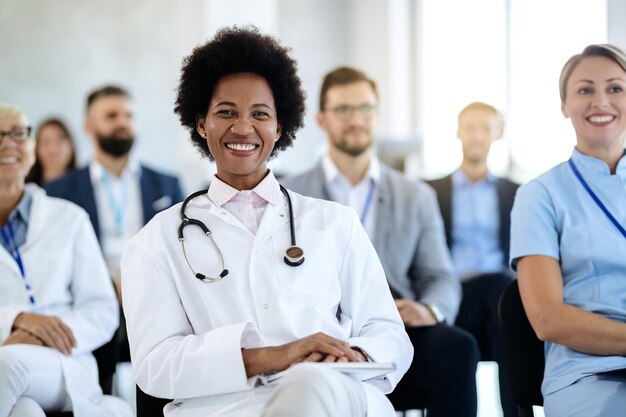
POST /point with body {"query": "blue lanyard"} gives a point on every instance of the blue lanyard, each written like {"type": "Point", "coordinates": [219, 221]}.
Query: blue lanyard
{"type": "Point", "coordinates": [117, 206]}
{"type": "Point", "coordinates": [595, 198]}
{"type": "Point", "coordinates": [368, 202]}
{"type": "Point", "coordinates": [9, 240]}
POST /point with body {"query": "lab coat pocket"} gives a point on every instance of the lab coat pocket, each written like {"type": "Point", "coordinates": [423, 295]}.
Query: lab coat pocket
{"type": "Point", "coordinates": [317, 276]}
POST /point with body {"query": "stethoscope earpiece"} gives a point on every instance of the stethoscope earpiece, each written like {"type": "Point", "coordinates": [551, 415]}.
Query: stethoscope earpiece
{"type": "Point", "coordinates": [294, 256]}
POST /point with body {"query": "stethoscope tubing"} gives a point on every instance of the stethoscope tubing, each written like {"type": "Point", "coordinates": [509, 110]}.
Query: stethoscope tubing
{"type": "Point", "coordinates": [294, 255]}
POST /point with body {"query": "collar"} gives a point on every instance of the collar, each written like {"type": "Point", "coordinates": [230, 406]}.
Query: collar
{"type": "Point", "coordinates": [268, 189]}
{"type": "Point", "coordinates": [97, 170]}
{"type": "Point", "coordinates": [459, 179]}
{"type": "Point", "coordinates": [597, 166]}
{"type": "Point", "coordinates": [23, 207]}
{"type": "Point", "coordinates": [332, 173]}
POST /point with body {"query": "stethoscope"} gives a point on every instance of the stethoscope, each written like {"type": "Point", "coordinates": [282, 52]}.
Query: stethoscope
{"type": "Point", "coordinates": [294, 255]}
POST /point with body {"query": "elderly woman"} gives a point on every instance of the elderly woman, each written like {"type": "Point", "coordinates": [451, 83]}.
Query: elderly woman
{"type": "Point", "coordinates": [568, 244]}
{"type": "Point", "coordinates": [259, 278]}
{"type": "Point", "coordinates": [56, 300]}
{"type": "Point", "coordinates": [55, 154]}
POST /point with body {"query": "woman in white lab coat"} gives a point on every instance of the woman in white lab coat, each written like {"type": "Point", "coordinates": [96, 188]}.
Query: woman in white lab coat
{"type": "Point", "coordinates": [209, 315]}
{"type": "Point", "coordinates": [56, 299]}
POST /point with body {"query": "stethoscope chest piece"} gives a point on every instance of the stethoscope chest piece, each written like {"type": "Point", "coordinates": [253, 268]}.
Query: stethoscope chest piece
{"type": "Point", "coordinates": [294, 256]}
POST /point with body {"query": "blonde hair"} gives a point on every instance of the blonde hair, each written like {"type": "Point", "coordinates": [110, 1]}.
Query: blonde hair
{"type": "Point", "coordinates": [606, 50]}
{"type": "Point", "coordinates": [9, 111]}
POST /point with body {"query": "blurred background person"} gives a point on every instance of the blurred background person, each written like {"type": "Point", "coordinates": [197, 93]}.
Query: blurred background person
{"type": "Point", "coordinates": [57, 303]}
{"type": "Point", "coordinates": [55, 152]}
{"type": "Point", "coordinates": [568, 244]}
{"type": "Point", "coordinates": [402, 220]}
{"type": "Point", "coordinates": [117, 190]}
{"type": "Point", "coordinates": [476, 208]}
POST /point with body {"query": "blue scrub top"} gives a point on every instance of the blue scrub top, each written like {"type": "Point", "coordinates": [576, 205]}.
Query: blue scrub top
{"type": "Point", "coordinates": [553, 215]}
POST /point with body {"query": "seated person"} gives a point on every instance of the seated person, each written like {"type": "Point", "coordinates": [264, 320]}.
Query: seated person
{"type": "Point", "coordinates": [232, 298]}
{"type": "Point", "coordinates": [57, 303]}
{"type": "Point", "coordinates": [476, 209]}
{"type": "Point", "coordinates": [568, 244]}
{"type": "Point", "coordinates": [403, 222]}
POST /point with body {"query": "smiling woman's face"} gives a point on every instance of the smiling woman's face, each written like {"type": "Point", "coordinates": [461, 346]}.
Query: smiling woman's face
{"type": "Point", "coordinates": [241, 127]}
{"type": "Point", "coordinates": [16, 157]}
{"type": "Point", "coordinates": [596, 104]}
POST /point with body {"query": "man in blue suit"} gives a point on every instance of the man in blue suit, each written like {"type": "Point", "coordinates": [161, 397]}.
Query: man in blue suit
{"type": "Point", "coordinates": [403, 221]}
{"type": "Point", "coordinates": [119, 193]}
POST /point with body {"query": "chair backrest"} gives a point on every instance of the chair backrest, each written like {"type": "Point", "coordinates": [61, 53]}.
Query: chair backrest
{"type": "Point", "coordinates": [524, 351]}
{"type": "Point", "coordinates": [149, 406]}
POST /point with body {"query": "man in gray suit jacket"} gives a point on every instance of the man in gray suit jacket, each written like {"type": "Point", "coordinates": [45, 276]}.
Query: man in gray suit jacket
{"type": "Point", "coordinates": [403, 221]}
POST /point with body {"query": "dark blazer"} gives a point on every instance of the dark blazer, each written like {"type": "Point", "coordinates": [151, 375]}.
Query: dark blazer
{"type": "Point", "coordinates": [408, 239]}
{"type": "Point", "coordinates": [506, 193]}
{"type": "Point", "coordinates": [158, 192]}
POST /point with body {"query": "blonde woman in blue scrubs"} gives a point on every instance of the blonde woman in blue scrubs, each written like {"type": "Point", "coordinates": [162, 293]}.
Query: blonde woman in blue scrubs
{"type": "Point", "coordinates": [568, 245]}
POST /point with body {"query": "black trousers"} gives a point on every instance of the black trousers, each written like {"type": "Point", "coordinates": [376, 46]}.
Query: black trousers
{"type": "Point", "coordinates": [478, 315]}
{"type": "Point", "coordinates": [442, 376]}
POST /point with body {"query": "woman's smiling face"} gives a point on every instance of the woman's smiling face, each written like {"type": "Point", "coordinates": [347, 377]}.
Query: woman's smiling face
{"type": "Point", "coordinates": [241, 127]}
{"type": "Point", "coordinates": [596, 103]}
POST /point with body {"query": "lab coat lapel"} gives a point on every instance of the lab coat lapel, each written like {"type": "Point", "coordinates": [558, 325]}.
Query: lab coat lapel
{"type": "Point", "coordinates": [7, 259]}
{"type": "Point", "coordinates": [37, 217]}
{"type": "Point", "coordinates": [273, 219]}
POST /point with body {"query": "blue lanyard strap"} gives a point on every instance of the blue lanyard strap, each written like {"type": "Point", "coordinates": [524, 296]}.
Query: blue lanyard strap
{"type": "Point", "coordinates": [368, 202]}
{"type": "Point", "coordinates": [9, 240]}
{"type": "Point", "coordinates": [118, 206]}
{"type": "Point", "coordinates": [595, 197]}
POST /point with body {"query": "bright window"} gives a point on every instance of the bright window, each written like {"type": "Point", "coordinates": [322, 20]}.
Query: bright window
{"type": "Point", "coordinates": [471, 51]}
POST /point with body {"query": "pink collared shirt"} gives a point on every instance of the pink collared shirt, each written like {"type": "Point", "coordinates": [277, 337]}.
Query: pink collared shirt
{"type": "Point", "coordinates": [247, 206]}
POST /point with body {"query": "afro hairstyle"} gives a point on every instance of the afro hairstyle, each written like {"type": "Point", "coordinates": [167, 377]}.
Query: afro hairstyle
{"type": "Point", "coordinates": [237, 50]}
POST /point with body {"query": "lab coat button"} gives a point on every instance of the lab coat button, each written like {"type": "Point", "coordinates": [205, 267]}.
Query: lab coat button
{"type": "Point", "coordinates": [266, 306]}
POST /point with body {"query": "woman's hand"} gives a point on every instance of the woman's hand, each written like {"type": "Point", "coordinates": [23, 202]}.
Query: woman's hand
{"type": "Point", "coordinates": [315, 348]}
{"type": "Point", "coordinates": [21, 336]}
{"type": "Point", "coordinates": [51, 330]}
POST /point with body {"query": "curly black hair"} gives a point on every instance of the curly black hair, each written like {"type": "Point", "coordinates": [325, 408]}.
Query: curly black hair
{"type": "Point", "coordinates": [236, 50]}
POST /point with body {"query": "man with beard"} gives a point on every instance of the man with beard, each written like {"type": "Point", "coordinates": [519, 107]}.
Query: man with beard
{"type": "Point", "coordinates": [403, 221]}
{"type": "Point", "coordinates": [476, 208]}
{"type": "Point", "coordinates": [119, 193]}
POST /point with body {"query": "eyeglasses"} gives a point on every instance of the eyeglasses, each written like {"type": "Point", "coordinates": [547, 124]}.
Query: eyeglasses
{"type": "Point", "coordinates": [345, 111]}
{"type": "Point", "coordinates": [18, 134]}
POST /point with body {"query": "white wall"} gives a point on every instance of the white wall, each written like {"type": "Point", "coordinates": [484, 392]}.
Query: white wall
{"type": "Point", "coordinates": [53, 52]}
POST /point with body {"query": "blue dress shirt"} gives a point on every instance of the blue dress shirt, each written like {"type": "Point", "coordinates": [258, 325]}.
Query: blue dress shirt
{"type": "Point", "coordinates": [18, 219]}
{"type": "Point", "coordinates": [475, 226]}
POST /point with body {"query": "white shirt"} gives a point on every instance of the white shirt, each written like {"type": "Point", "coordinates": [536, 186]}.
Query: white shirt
{"type": "Point", "coordinates": [247, 206]}
{"type": "Point", "coordinates": [361, 197]}
{"type": "Point", "coordinates": [117, 193]}
{"type": "Point", "coordinates": [195, 350]}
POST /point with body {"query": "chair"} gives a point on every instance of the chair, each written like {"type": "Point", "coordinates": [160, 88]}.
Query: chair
{"type": "Point", "coordinates": [405, 398]}
{"type": "Point", "coordinates": [149, 406]}
{"type": "Point", "coordinates": [524, 352]}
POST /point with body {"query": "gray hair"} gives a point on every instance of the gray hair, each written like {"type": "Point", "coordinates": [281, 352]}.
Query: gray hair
{"type": "Point", "coordinates": [9, 111]}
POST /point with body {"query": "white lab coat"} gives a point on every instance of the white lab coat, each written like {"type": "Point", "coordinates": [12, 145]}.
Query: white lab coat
{"type": "Point", "coordinates": [64, 266]}
{"type": "Point", "coordinates": [186, 336]}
